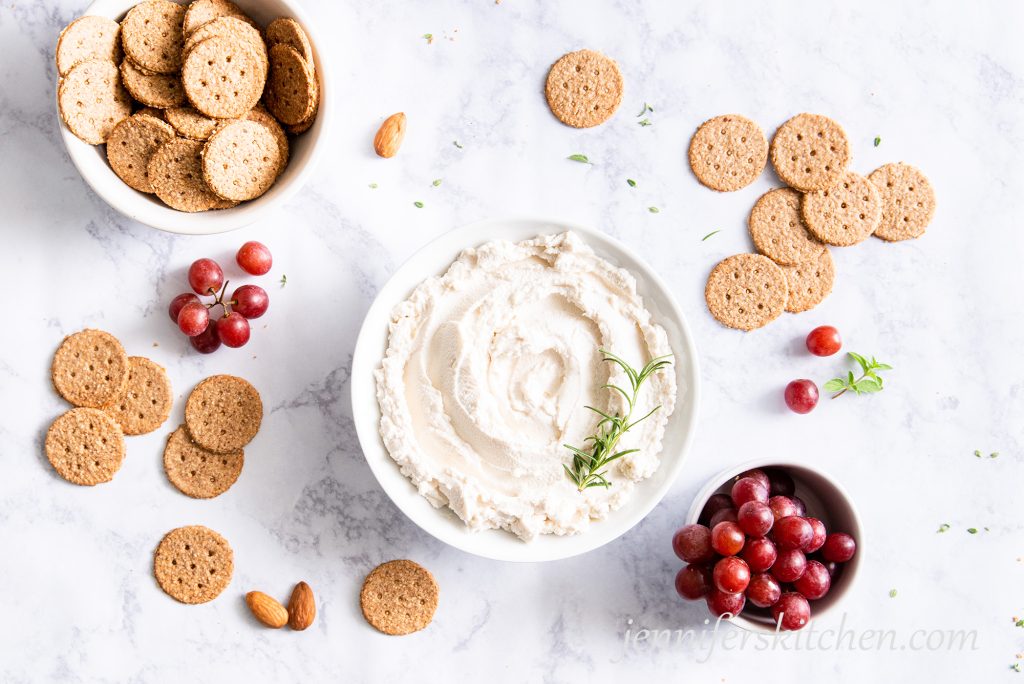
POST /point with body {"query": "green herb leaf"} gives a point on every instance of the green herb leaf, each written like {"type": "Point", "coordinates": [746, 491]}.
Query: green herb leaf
{"type": "Point", "coordinates": [456, 143]}
{"type": "Point", "coordinates": [581, 158]}
{"type": "Point", "coordinates": [418, 205]}
{"type": "Point", "coordinates": [710, 234]}
{"type": "Point", "coordinates": [630, 182]}
{"type": "Point", "coordinates": [654, 210]}
{"type": "Point", "coordinates": [1016, 667]}
{"type": "Point", "coordinates": [878, 141]}
{"type": "Point", "coordinates": [977, 453]}
{"type": "Point", "coordinates": [834, 385]}
{"type": "Point", "coordinates": [373, 186]}
{"type": "Point", "coordinates": [944, 527]}
{"type": "Point", "coordinates": [892, 593]}
{"type": "Point", "coordinates": [437, 182]}
{"type": "Point", "coordinates": [994, 454]}
{"type": "Point", "coordinates": [1019, 623]}
{"type": "Point", "coordinates": [284, 280]}
{"type": "Point", "coordinates": [647, 108]}
{"type": "Point", "coordinates": [645, 122]}
{"type": "Point", "coordinates": [868, 383]}
{"type": "Point", "coordinates": [429, 37]}
{"type": "Point", "coordinates": [972, 530]}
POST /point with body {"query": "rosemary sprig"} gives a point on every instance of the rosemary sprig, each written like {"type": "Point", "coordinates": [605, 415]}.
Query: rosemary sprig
{"type": "Point", "coordinates": [589, 467]}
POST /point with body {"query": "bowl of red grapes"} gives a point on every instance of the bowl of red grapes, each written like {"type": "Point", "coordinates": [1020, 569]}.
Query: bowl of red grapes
{"type": "Point", "coordinates": [769, 546]}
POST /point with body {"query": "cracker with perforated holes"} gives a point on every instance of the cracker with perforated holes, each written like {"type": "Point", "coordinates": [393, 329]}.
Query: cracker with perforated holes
{"type": "Point", "coordinates": [778, 229]}
{"type": "Point", "coordinates": [236, 28]}
{"type": "Point", "coordinates": [223, 413]}
{"type": "Point", "coordinates": [288, 31]}
{"type": "Point", "coordinates": [198, 472]}
{"type": "Point", "coordinates": [260, 115]}
{"type": "Point", "coordinates": [810, 152]}
{"type": "Point", "coordinates": [193, 564]}
{"type": "Point", "coordinates": [92, 100]}
{"type": "Point", "coordinates": [191, 123]}
{"type": "Point", "coordinates": [151, 35]}
{"type": "Point", "coordinates": [85, 446]}
{"type": "Point", "coordinates": [88, 37]}
{"type": "Point", "coordinates": [157, 114]}
{"type": "Point", "coordinates": [292, 90]}
{"type": "Point", "coordinates": [809, 283]}
{"type": "Point", "coordinates": [746, 291]}
{"type": "Point", "coordinates": [845, 214]}
{"type": "Point", "coordinates": [399, 597]}
{"type": "Point", "coordinates": [153, 90]}
{"type": "Point", "coordinates": [584, 88]}
{"type": "Point", "coordinates": [90, 368]}
{"type": "Point", "coordinates": [728, 152]}
{"type": "Point", "coordinates": [202, 12]}
{"type": "Point", "coordinates": [908, 201]}
{"type": "Point", "coordinates": [241, 160]}
{"type": "Point", "coordinates": [224, 78]}
{"type": "Point", "coordinates": [176, 172]}
{"type": "Point", "coordinates": [147, 399]}
{"type": "Point", "coordinates": [132, 145]}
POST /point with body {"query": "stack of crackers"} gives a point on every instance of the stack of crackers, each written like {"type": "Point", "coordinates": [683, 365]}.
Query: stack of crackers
{"type": "Point", "coordinates": [826, 204]}
{"type": "Point", "coordinates": [214, 98]}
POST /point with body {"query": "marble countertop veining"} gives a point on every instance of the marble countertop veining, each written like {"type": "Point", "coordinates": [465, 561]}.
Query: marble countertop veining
{"type": "Point", "coordinates": [942, 85]}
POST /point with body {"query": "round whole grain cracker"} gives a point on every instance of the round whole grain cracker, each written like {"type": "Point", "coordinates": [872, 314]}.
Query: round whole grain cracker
{"type": "Point", "coordinates": [151, 35]}
{"type": "Point", "coordinates": [288, 31]}
{"type": "Point", "coordinates": [90, 368]}
{"type": "Point", "coordinates": [157, 114]}
{"type": "Point", "coordinates": [242, 159]}
{"type": "Point", "coordinates": [88, 37]}
{"type": "Point", "coordinates": [153, 90]}
{"type": "Point", "coordinates": [92, 100]}
{"type": "Point", "coordinates": [399, 597]}
{"type": "Point", "coordinates": [224, 78]}
{"type": "Point", "coordinates": [223, 413]}
{"type": "Point", "coordinates": [85, 446]}
{"type": "Point", "coordinates": [261, 115]}
{"type": "Point", "coordinates": [191, 123]}
{"type": "Point", "coordinates": [197, 472]}
{"type": "Point", "coordinates": [132, 144]}
{"type": "Point", "coordinates": [778, 230]}
{"type": "Point", "coordinates": [908, 201]}
{"type": "Point", "coordinates": [845, 214]}
{"type": "Point", "coordinates": [292, 91]}
{"type": "Point", "coordinates": [809, 283]}
{"type": "Point", "coordinates": [303, 126]}
{"type": "Point", "coordinates": [202, 12]}
{"type": "Point", "coordinates": [728, 152]}
{"type": "Point", "coordinates": [237, 28]}
{"type": "Point", "coordinates": [746, 291]}
{"type": "Point", "coordinates": [176, 172]}
{"type": "Point", "coordinates": [810, 152]}
{"type": "Point", "coordinates": [193, 564]}
{"type": "Point", "coordinates": [147, 399]}
{"type": "Point", "coordinates": [584, 88]}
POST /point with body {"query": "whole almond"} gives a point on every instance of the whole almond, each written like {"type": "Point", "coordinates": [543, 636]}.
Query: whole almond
{"type": "Point", "coordinates": [301, 607]}
{"type": "Point", "coordinates": [267, 609]}
{"type": "Point", "coordinates": [389, 136]}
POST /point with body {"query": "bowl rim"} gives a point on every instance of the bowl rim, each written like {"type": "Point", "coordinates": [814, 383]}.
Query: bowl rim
{"type": "Point", "coordinates": [139, 207]}
{"type": "Point", "coordinates": [366, 411]}
{"type": "Point", "coordinates": [857, 531]}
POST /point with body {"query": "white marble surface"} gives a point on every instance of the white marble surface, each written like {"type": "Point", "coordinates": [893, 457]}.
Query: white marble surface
{"type": "Point", "coordinates": [942, 85]}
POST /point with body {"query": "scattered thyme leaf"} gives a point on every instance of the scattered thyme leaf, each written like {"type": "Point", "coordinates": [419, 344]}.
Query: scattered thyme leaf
{"type": "Point", "coordinates": [418, 204]}
{"type": "Point", "coordinates": [977, 453]}
{"type": "Point", "coordinates": [878, 141]}
{"type": "Point", "coordinates": [654, 210]}
{"type": "Point", "coordinates": [581, 158]}
{"type": "Point", "coordinates": [429, 37]}
{"type": "Point", "coordinates": [710, 234]}
{"type": "Point", "coordinates": [645, 122]}
{"type": "Point", "coordinates": [630, 182]}
{"type": "Point", "coordinates": [892, 593]}
{"type": "Point", "coordinates": [647, 108]}
{"type": "Point", "coordinates": [994, 454]}
{"type": "Point", "coordinates": [944, 527]}
{"type": "Point", "coordinates": [456, 143]}
{"type": "Point", "coordinates": [1019, 623]}
{"type": "Point", "coordinates": [868, 383]}
{"type": "Point", "coordinates": [1016, 667]}
{"type": "Point", "coordinates": [972, 530]}
{"type": "Point", "coordinates": [373, 186]}
{"type": "Point", "coordinates": [284, 280]}
{"type": "Point", "coordinates": [437, 182]}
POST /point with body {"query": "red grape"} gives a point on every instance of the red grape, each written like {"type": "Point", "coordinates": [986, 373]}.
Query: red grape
{"type": "Point", "coordinates": [692, 543]}
{"type": "Point", "coordinates": [178, 302]}
{"type": "Point", "coordinates": [205, 276]}
{"type": "Point", "coordinates": [792, 533]}
{"type": "Point", "coordinates": [693, 581]}
{"type": "Point", "coordinates": [193, 318]}
{"type": "Point", "coordinates": [839, 547]}
{"type": "Point", "coordinates": [759, 475]}
{"type": "Point", "coordinates": [824, 341]}
{"type": "Point", "coordinates": [819, 535]}
{"type": "Point", "coordinates": [250, 300]}
{"type": "Point", "coordinates": [715, 503]}
{"type": "Point", "coordinates": [780, 483]}
{"type": "Point", "coordinates": [755, 518]}
{"type": "Point", "coordinates": [748, 489]}
{"type": "Point", "coordinates": [782, 507]}
{"type": "Point", "coordinates": [801, 396]}
{"type": "Point", "coordinates": [731, 575]}
{"type": "Point", "coordinates": [206, 342]}
{"type": "Point", "coordinates": [720, 603]}
{"type": "Point", "coordinates": [254, 258]}
{"type": "Point", "coordinates": [724, 515]}
{"type": "Point", "coordinates": [815, 581]}
{"type": "Point", "coordinates": [791, 611]}
{"type": "Point", "coordinates": [832, 568]}
{"type": "Point", "coordinates": [727, 538]}
{"type": "Point", "coordinates": [801, 507]}
{"type": "Point", "coordinates": [790, 564]}
{"type": "Point", "coordinates": [763, 590]}
{"type": "Point", "coordinates": [233, 329]}
{"type": "Point", "coordinates": [760, 554]}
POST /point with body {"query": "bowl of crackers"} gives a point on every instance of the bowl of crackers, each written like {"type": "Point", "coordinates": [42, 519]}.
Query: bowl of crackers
{"type": "Point", "coordinates": [192, 117]}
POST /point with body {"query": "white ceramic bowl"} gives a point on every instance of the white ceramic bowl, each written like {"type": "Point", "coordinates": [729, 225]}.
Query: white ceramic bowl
{"type": "Point", "coordinates": [91, 160]}
{"type": "Point", "coordinates": [826, 500]}
{"type": "Point", "coordinates": [434, 259]}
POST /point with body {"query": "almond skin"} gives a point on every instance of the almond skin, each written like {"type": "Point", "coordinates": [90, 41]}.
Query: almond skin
{"type": "Point", "coordinates": [267, 609]}
{"type": "Point", "coordinates": [301, 607]}
{"type": "Point", "coordinates": [390, 135]}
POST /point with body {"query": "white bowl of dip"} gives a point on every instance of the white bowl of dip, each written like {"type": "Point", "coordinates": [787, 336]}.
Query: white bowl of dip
{"type": "Point", "coordinates": [442, 522]}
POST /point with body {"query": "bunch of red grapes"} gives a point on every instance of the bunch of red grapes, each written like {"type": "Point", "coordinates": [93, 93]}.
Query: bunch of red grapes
{"type": "Point", "coordinates": [757, 544]}
{"type": "Point", "coordinates": [207, 332]}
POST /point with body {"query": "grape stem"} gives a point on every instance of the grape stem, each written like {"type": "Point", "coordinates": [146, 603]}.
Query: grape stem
{"type": "Point", "coordinates": [218, 298]}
